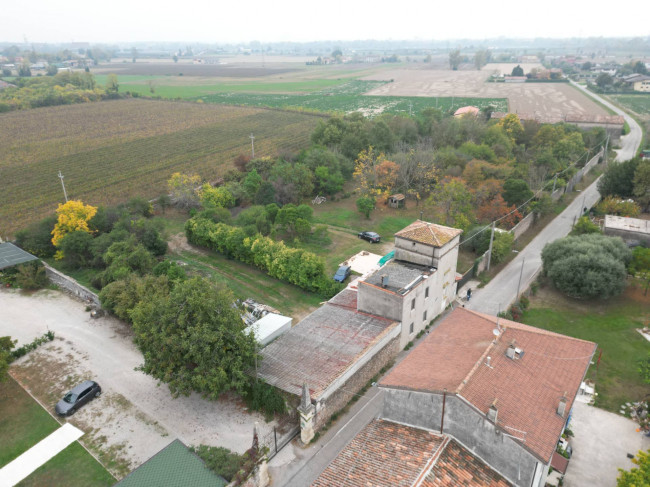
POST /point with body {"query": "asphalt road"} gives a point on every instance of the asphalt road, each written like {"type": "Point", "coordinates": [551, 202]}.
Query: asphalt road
{"type": "Point", "coordinates": [501, 291]}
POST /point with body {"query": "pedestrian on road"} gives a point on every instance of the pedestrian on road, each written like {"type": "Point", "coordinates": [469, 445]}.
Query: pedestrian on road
{"type": "Point", "coordinates": [469, 293]}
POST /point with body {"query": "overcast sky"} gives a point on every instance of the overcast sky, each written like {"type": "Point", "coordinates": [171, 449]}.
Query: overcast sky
{"type": "Point", "coordinates": [303, 20]}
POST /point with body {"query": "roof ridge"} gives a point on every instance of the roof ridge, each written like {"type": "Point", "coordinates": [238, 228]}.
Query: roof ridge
{"type": "Point", "coordinates": [432, 462]}
{"type": "Point", "coordinates": [477, 364]}
{"type": "Point", "coordinates": [521, 326]}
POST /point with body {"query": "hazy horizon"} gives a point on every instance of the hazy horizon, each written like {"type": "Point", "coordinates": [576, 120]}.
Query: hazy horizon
{"type": "Point", "coordinates": [200, 21]}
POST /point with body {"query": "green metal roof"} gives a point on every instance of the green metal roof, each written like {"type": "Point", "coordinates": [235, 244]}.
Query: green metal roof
{"type": "Point", "coordinates": [11, 255]}
{"type": "Point", "coordinates": [173, 466]}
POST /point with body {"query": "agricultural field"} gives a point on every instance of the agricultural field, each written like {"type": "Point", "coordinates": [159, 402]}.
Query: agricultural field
{"type": "Point", "coordinates": [542, 99]}
{"type": "Point", "coordinates": [637, 103]}
{"type": "Point", "coordinates": [111, 151]}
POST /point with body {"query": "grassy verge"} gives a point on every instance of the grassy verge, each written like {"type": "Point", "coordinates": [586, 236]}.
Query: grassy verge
{"type": "Point", "coordinates": [23, 423]}
{"type": "Point", "coordinates": [612, 325]}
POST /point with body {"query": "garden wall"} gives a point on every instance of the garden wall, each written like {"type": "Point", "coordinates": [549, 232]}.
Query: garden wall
{"type": "Point", "coordinates": [70, 285]}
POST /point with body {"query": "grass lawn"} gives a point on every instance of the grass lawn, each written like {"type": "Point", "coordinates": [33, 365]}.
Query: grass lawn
{"type": "Point", "coordinates": [23, 423]}
{"type": "Point", "coordinates": [72, 466]}
{"type": "Point", "coordinates": [612, 325]}
{"type": "Point", "coordinates": [248, 282]}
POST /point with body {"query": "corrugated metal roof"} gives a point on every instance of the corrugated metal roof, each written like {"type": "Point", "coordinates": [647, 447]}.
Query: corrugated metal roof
{"type": "Point", "coordinates": [173, 466]}
{"type": "Point", "coordinates": [11, 255]}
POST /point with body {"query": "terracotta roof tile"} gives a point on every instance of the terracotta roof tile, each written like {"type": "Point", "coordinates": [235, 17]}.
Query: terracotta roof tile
{"type": "Point", "coordinates": [457, 467]}
{"type": "Point", "coordinates": [528, 390]}
{"type": "Point", "coordinates": [387, 454]}
{"type": "Point", "coordinates": [382, 454]}
{"type": "Point", "coordinates": [428, 233]}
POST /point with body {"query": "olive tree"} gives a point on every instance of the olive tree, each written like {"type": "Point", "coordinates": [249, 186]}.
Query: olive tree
{"type": "Point", "coordinates": [587, 266]}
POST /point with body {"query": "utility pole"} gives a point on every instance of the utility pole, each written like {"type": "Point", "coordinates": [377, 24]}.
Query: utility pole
{"type": "Point", "coordinates": [521, 273]}
{"type": "Point", "coordinates": [606, 144]}
{"type": "Point", "coordinates": [490, 249]}
{"type": "Point", "coordinates": [253, 144]}
{"type": "Point", "coordinates": [63, 186]}
{"type": "Point", "coordinates": [582, 207]}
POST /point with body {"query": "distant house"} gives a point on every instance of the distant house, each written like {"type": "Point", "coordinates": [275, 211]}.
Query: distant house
{"type": "Point", "coordinates": [638, 82]}
{"type": "Point", "coordinates": [467, 111]}
{"type": "Point", "coordinates": [4, 84]}
{"type": "Point", "coordinates": [516, 79]}
{"type": "Point", "coordinates": [503, 390]}
{"type": "Point", "coordinates": [396, 200]}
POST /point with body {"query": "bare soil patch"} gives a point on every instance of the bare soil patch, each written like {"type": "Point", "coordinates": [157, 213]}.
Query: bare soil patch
{"type": "Point", "coordinates": [169, 69]}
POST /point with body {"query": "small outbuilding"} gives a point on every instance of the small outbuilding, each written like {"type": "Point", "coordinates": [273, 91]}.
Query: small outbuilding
{"type": "Point", "coordinates": [397, 200]}
{"type": "Point", "coordinates": [633, 231]}
{"type": "Point", "coordinates": [10, 255]}
{"type": "Point", "coordinates": [269, 327]}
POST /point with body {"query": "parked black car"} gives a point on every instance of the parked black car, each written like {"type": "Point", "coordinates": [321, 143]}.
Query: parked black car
{"type": "Point", "coordinates": [77, 397]}
{"type": "Point", "coordinates": [371, 237]}
{"type": "Point", "coordinates": [342, 274]}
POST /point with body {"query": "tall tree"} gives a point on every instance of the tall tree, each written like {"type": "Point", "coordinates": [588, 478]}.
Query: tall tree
{"type": "Point", "coordinates": [517, 71]}
{"type": "Point", "coordinates": [194, 339]}
{"type": "Point", "coordinates": [454, 59]}
{"type": "Point", "coordinates": [451, 203]}
{"type": "Point", "coordinates": [71, 217]}
{"type": "Point", "coordinates": [183, 189]}
{"type": "Point", "coordinates": [641, 184]}
{"type": "Point", "coordinates": [375, 175]}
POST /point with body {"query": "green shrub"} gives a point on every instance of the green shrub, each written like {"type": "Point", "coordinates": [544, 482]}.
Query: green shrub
{"type": "Point", "coordinates": [25, 349]}
{"type": "Point", "coordinates": [265, 398]}
{"type": "Point", "coordinates": [220, 460]}
{"type": "Point", "coordinates": [524, 302]}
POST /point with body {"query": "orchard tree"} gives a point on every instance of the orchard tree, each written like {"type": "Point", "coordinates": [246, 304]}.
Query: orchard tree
{"type": "Point", "coordinates": [641, 184]}
{"type": "Point", "coordinates": [365, 205]}
{"type": "Point", "coordinates": [451, 203]}
{"type": "Point", "coordinates": [183, 189]}
{"type": "Point", "coordinates": [618, 179]}
{"type": "Point", "coordinates": [587, 266]}
{"type": "Point", "coordinates": [640, 266]}
{"type": "Point", "coordinates": [72, 216]}
{"type": "Point", "coordinates": [194, 339]}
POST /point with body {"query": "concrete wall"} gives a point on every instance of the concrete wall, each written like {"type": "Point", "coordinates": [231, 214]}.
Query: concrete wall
{"type": "Point", "coordinates": [380, 302]}
{"type": "Point", "coordinates": [339, 398]}
{"type": "Point", "coordinates": [70, 285]}
{"type": "Point", "coordinates": [584, 170]}
{"type": "Point", "coordinates": [628, 236]}
{"type": "Point", "coordinates": [470, 427]}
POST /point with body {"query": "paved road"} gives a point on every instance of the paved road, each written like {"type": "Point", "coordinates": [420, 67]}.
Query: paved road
{"type": "Point", "coordinates": [501, 292]}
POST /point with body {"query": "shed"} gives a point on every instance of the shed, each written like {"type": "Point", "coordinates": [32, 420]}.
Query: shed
{"type": "Point", "coordinates": [396, 200]}
{"type": "Point", "coordinates": [269, 327]}
{"type": "Point", "coordinates": [10, 255]}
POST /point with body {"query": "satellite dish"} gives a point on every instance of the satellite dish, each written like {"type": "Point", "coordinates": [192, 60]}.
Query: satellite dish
{"type": "Point", "coordinates": [496, 332]}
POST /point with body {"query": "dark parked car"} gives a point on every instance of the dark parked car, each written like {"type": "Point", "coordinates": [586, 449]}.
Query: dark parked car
{"type": "Point", "coordinates": [77, 397]}
{"type": "Point", "coordinates": [342, 274]}
{"type": "Point", "coordinates": [371, 237]}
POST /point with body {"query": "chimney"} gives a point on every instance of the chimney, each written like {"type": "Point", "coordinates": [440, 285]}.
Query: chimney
{"type": "Point", "coordinates": [492, 412]}
{"type": "Point", "coordinates": [384, 280]}
{"type": "Point", "coordinates": [488, 361]}
{"type": "Point", "coordinates": [561, 408]}
{"type": "Point", "coordinates": [510, 352]}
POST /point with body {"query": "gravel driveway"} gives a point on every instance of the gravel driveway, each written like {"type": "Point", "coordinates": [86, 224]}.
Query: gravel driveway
{"type": "Point", "coordinates": [600, 446]}
{"type": "Point", "coordinates": [134, 418]}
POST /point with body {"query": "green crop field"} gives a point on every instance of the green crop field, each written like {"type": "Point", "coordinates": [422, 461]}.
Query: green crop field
{"type": "Point", "coordinates": [318, 95]}
{"type": "Point", "coordinates": [637, 103]}
{"type": "Point", "coordinates": [111, 151]}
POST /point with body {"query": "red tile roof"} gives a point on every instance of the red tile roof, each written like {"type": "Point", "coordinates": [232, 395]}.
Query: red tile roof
{"type": "Point", "coordinates": [428, 233]}
{"type": "Point", "coordinates": [457, 467]}
{"type": "Point", "coordinates": [387, 454]}
{"type": "Point", "coordinates": [528, 390]}
{"type": "Point", "coordinates": [323, 346]}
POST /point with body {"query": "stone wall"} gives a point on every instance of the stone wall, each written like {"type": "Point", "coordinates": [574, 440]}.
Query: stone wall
{"type": "Point", "coordinates": [523, 225]}
{"type": "Point", "coordinates": [493, 444]}
{"type": "Point", "coordinates": [70, 285]}
{"type": "Point", "coordinates": [338, 400]}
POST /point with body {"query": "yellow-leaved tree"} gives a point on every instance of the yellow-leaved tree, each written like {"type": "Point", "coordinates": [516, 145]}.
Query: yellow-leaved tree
{"type": "Point", "coordinates": [72, 216]}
